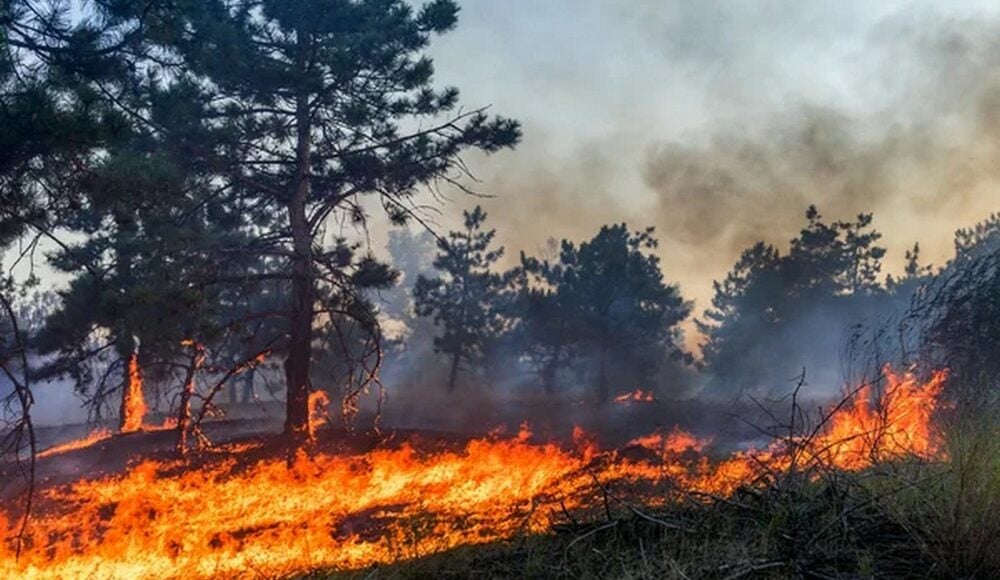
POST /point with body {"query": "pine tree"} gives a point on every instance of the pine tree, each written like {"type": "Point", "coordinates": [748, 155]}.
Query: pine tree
{"type": "Point", "coordinates": [465, 302]}
{"type": "Point", "coordinates": [746, 308]}
{"type": "Point", "coordinates": [613, 306]}
{"type": "Point", "coordinates": [979, 240]}
{"type": "Point", "coordinates": [56, 128]}
{"type": "Point", "coordinates": [769, 301]}
{"type": "Point", "coordinates": [306, 107]}
{"type": "Point", "coordinates": [863, 256]}
{"type": "Point", "coordinates": [546, 328]}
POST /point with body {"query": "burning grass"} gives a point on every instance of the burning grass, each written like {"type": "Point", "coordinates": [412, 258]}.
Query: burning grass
{"type": "Point", "coordinates": [255, 510]}
{"type": "Point", "coordinates": [901, 519]}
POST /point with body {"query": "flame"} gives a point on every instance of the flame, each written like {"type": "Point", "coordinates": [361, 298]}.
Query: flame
{"type": "Point", "coordinates": [637, 396]}
{"type": "Point", "coordinates": [237, 514]}
{"type": "Point", "coordinates": [319, 405]}
{"type": "Point", "coordinates": [860, 433]}
{"type": "Point", "coordinates": [675, 442]}
{"type": "Point", "coordinates": [133, 403]}
{"type": "Point", "coordinates": [95, 437]}
{"type": "Point", "coordinates": [102, 434]}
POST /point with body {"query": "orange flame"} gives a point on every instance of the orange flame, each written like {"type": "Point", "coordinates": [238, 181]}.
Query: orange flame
{"type": "Point", "coordinates": [637, 396]}
{"type": "Point", "coordinates": [164, 519]}
{"type": "Point", "coordinates": [133, 409]}
{"type": "Point", "coordinates": [860, 434]}
{"type": "Point", "coordinates": [677, 441]}
{"type": "Point", "coordinates": [319, 404]}
{"type": "Point", "coordinates": [95, 436]}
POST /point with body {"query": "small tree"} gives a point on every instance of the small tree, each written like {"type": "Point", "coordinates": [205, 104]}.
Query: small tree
{"type": "Point", "coordinates": [744, 312]}
{"type": "Point", "coordinates": [914, 275]}
{"type": "Point", "coordinates": [466, 301]}
{"type": "Point", "coordinates": [546, 328]}
{"type": "Point", "coordinates": [613, 305]}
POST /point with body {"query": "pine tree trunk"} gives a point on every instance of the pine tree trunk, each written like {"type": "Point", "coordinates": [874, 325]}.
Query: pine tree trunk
{"type": "Point", "coordinates": [184, 411]}
{"type": "Point", "coordinates": [550, 371]}
{"type": "Point", "coordinates": [131, 402]}
{"type": "Point", "coordinates": [300, 338]}
{"type": "Point", "coordinates": [298, 362]}
{"type": "Point", "coordinates": [125, 341]}
{"type": "Point", "coordinates": [453, 375]}
{"type": "Point", "coordinates": [248, 385]}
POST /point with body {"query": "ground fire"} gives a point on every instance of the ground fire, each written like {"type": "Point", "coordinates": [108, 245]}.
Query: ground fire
{"type": "Point", "coordinates": [245, 509]}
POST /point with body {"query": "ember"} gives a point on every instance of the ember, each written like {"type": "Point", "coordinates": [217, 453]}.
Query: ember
{"type": "Point", "coordinates": [636, 396]}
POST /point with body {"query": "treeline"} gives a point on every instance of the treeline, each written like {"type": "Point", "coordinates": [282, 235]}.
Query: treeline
{"type": "Point", "coordinates": [600, 313]}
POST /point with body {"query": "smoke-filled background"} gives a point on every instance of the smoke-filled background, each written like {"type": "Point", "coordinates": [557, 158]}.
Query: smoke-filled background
{"type": "Point", "coordinates": [720, 122]}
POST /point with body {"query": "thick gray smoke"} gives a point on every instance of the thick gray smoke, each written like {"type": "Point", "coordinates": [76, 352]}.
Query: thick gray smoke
{"type": "Point", "coordinates": [720, 122]}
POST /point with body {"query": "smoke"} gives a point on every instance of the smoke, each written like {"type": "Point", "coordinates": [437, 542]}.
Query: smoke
{"type": "Point", "coordinates": [720, 122]}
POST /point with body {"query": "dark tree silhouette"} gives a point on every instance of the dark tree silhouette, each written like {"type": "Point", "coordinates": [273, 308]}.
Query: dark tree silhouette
{"type": "Point", "coordinates": [606, 299]}
{"type": "Point", "coordinates": [466, 300]}
{"type": "Point", "coordinates": [776, 313]}
{"type": "Point", "coordinates": [546, 328]}
{"type": "Point", "coordinates": [960, 312]}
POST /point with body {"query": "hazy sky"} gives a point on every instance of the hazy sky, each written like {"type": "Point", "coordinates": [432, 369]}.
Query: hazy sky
{"type": "Point", "coordinates": [719, 122]}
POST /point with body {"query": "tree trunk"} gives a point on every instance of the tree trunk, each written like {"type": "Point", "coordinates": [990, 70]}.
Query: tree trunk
{"type": "Point", "coordinates": [125, 348]}
{"type": "Point", "coordinates": [133, 405]}
{"type": "Point", "coordinates": [453, 375]}
{"type": "Point", "coordinates": [550, 371]}
{"type": "Point", "coordinates": [248, 384]}
{"type": "Point", "coordinates": [184, 412]}
{"type": "Point", "coordinates": [300, 334]}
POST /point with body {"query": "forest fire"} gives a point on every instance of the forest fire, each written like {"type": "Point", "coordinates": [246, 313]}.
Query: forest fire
{"type": "Point", "coordinates": [288, 266]}
{"type": "Point", "coordinates": [272, 515]}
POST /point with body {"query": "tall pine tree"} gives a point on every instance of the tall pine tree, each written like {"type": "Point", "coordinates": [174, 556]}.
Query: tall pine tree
{"type": "Point", "coordinates": [311, 106]}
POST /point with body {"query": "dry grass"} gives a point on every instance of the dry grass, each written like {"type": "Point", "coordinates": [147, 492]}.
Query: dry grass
{"type": "Point", "coordinates": [904, 519]}
{"type": "Point", "coordinates": [904, 522]}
